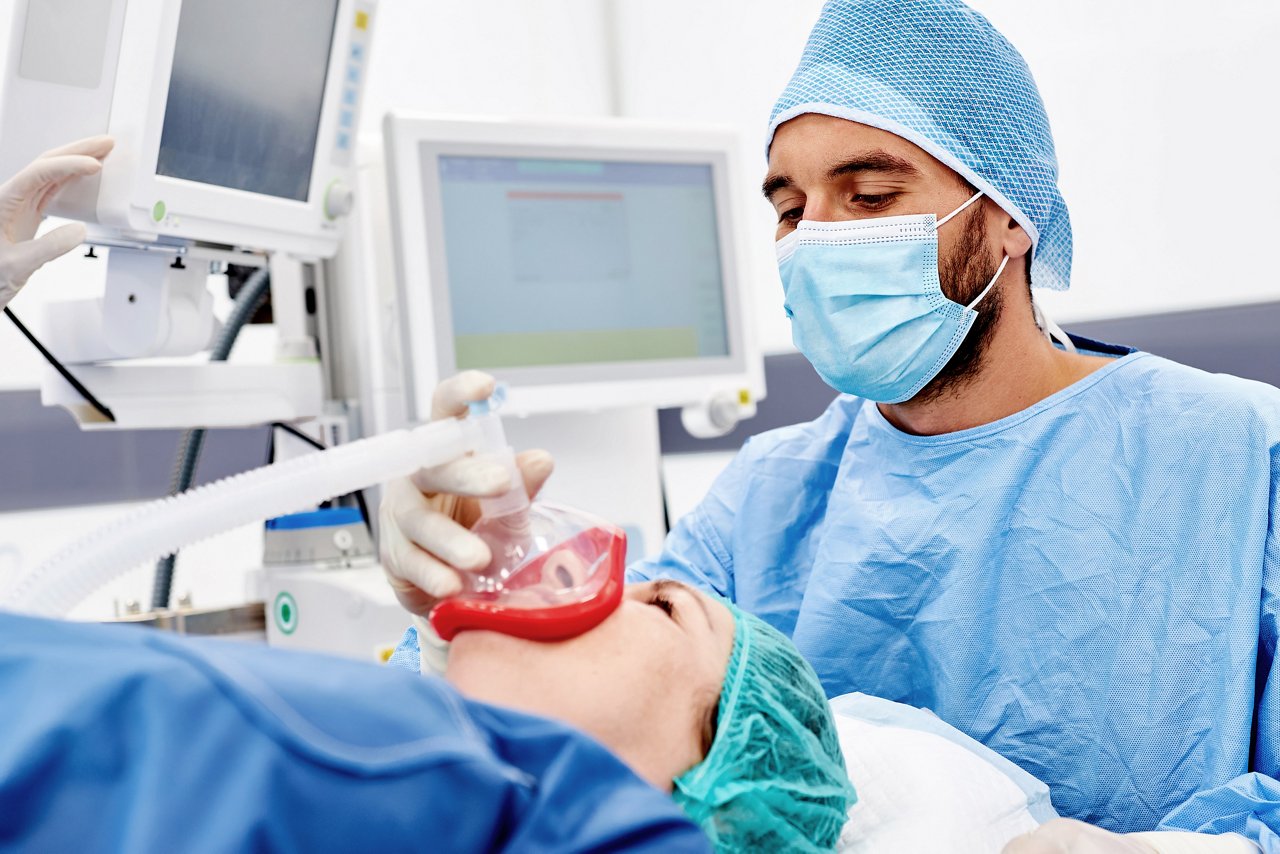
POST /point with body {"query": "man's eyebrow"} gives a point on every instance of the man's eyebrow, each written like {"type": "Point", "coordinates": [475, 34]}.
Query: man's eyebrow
{"type": "Point", "coordinates": [667, 583]}
{"type": "Point", "coordinates": [872, 161]}
{"type": "Point", "coordinates": [773, 184]}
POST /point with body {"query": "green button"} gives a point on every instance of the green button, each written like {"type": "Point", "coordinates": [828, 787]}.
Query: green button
{"type": "Point", "coordinates": [285, 611]}
{"type": "Point", "coordinates": [158, 211]}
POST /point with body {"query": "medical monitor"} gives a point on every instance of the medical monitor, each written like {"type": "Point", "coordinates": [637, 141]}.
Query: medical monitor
{"type": "Point", "coordinates": [235, 120]}
{"type": "Point", "coordinates": [587, 265]}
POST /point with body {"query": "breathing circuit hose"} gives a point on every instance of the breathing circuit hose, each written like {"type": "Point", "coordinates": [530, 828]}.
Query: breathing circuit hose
{"type": "Point", "coordinates": [169, 524]}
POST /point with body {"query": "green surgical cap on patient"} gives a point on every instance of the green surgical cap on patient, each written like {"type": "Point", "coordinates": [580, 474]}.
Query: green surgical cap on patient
{"type": "Point", "coordinates": [774, 779]}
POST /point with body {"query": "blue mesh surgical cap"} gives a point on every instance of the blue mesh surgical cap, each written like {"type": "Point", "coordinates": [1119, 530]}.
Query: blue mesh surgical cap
{"type": "Point", "coordinates": [774, 778]}
{"type": "Point", "coordinates": [937, 74]}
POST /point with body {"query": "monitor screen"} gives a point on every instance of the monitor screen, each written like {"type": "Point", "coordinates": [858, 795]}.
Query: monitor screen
{"type": "Point", "coordinates": [246, 92]}
{"type": "Point", "coordinates": [560, 262]}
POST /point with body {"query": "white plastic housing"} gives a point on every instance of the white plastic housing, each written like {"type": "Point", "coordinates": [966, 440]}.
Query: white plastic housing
{"type": "Point", "coordinates": [77, 68]}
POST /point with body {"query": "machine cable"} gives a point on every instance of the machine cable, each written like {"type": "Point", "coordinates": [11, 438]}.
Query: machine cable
{"type": "Point", "coordinates": [358, 495]}
{"type": "Point", "coordinates": [88, 396]}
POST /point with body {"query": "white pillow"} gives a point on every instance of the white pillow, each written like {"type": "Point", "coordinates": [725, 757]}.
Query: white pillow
{"type": "Point", "coordinates": [925, 786]}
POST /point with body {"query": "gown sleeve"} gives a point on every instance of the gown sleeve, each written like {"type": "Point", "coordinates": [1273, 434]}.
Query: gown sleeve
{"type": "Point", "coordinates": [697, 550]}
{"type": "Point", "coordinates": [1250, 804]}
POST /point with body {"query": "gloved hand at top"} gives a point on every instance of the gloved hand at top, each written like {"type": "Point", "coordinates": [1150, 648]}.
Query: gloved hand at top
{"type": "Point", "coordinates": [424, 519]}
{"type": "Point", "coordinates": [23, 201]}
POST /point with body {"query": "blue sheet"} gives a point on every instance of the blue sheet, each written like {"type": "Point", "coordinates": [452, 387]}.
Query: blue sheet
{"type": "Point", "coordinates": [126, 739]}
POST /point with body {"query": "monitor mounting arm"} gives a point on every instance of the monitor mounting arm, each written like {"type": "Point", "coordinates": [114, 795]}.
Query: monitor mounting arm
{"type": "Point", "coordinates": [156, 305]}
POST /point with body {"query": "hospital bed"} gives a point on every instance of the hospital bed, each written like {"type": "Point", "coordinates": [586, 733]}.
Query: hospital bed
{"type": "Point", "coordinates": [925, 786]}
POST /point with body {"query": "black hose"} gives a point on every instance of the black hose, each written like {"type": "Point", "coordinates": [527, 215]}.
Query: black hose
{"type": "Point", "coordinates": [251, 298]}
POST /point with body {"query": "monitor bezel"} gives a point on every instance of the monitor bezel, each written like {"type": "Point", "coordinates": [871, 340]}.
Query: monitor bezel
{"type": "Point", "coordinates": [209, 212]}
{"type": "Point", "coordinates": [414, 143]}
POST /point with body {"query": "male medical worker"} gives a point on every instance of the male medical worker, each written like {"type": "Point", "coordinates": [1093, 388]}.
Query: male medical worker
{"type": "Point", "coordinates": [1067, 549]}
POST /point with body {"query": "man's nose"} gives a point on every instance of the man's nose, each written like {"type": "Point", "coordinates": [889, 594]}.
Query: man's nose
{"type": "Point", "coordinates": [825, 209]}
{"type": "Point", "coordinates": [638, 591]}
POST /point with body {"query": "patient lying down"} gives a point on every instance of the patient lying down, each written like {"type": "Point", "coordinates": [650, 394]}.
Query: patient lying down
{"type": "Point", "coordinates": [140, 740]}
{"type": "Point", "coordinates": [699, 698]}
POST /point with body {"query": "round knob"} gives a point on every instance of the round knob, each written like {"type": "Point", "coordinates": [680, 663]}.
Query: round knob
{"type": "Point", "coordinates": [338, 200]}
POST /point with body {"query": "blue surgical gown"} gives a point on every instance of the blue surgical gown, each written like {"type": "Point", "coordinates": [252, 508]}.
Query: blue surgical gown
{"type": "Point", "coordinates": [1088, 587]}
{"type": "Point", "coordinates": [119, 738]}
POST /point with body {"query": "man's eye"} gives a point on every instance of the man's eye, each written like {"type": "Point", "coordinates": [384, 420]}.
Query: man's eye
{"type": "Point", "coordinates": [873, 201]}
{"type": "Point", "coordinates": [664, 603]}
{"type": "Point", "coordinates": [792, 215]}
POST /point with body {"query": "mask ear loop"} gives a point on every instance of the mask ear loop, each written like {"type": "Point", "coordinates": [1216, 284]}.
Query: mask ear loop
{"type": "Point", "coordinates": [940, 223]}
{"type": "Point", "coordinates": [1051, 330]}
{"type": "Point", "coordinates": [946, 219]}
{"type": "Point", "coordinates": [991, 284]}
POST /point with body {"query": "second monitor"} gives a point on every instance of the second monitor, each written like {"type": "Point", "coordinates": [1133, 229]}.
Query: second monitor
{"type": "Point", "coordinates": [588, 265]}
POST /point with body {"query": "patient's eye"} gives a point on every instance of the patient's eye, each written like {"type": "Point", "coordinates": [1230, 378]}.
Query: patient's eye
{"type": "Point", "coordinates": [664, 603]}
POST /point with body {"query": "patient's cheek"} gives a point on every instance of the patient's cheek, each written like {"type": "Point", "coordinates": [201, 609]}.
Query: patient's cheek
{"type": "Point", "coordinates": [665, 666]}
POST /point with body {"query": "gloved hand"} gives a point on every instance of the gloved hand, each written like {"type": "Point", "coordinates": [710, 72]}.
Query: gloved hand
{"type": "Point", "coordinates": [23, 200]}
{"type": "Point", "coordinates": [424, 519]}
{"type": "Point", "coordinates": [1067, 836]}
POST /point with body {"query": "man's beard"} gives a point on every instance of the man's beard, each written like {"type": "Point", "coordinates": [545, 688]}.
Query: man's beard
{"type": "Point", "coordinates": [963, 276]}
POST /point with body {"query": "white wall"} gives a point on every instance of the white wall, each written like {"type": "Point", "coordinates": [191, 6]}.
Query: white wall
{"type": "Point", "coordinates": [495, 56]}
{"type": "Point", "coordinates": [1166, 122]}
{"type": "Point", "coordinates": [1165, 119]}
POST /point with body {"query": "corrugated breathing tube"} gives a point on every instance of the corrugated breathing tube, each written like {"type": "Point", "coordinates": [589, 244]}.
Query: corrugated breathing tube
{"type": "Point", "coordinates": [164, 526]}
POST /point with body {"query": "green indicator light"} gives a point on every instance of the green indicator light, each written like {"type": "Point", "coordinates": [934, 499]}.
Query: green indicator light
{"type": "Point", "coordinates": [285, 610]}
{"type": "Point", "coordinates": [158, 211]}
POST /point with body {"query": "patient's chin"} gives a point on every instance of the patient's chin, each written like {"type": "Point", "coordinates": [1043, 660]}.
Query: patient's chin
{"type": "Point", "coordinates": [488, 652]}
{"type": "Point", "coordinates": [480, 663]}
{"type": "Point", "coordinates": [475, 642]}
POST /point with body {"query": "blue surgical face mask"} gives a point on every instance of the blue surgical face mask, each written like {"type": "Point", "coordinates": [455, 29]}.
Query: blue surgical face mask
{"type": "Point", "coordinates": [865, 304]}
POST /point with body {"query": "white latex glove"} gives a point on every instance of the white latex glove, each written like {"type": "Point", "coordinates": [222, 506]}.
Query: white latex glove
{"type": "Point", "coordinates": [433, 650]}
{"type": "Point", "coordinates": [424, 519]}
{"type": "Point", "coordinates": [23, 200]}
{"type": "Point", "coordinates": [1067, 836]}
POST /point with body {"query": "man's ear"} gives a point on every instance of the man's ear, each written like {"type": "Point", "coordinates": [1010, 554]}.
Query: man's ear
{"type": "Point", "coordinates": [1015, 241]}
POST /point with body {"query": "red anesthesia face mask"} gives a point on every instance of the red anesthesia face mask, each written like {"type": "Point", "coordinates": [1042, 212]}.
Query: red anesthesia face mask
{"type": "Point", "coordinates": [556, 573]}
